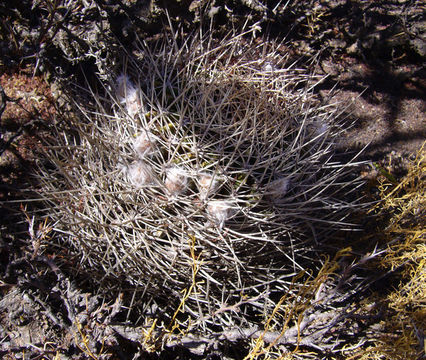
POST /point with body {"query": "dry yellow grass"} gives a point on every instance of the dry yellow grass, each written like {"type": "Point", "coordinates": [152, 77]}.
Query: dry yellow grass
{"type": "Point", "coordinates": [403, 328]}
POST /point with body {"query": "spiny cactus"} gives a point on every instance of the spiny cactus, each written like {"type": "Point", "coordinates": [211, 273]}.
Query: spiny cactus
{"type": "Point", "coordinates": [205, 166]}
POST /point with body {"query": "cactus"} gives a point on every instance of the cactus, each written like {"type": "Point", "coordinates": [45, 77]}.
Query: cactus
{"type": "Point", "coordinates": [199, 151]}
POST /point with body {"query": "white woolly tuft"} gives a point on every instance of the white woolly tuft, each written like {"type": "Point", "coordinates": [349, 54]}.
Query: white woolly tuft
{"type": "Point", "coordinates": [140, 174]}
{"type": "Point", "coordinates": [144, 144]}
{"type": "Point", "coordinates": [277, 189]}
{"type": "Point", "coordinates": [128, 95]}
{"type": "Point", "coordinates": [220, 211]}
{"type": "Point", "coordinates": [176, 181]}
{"type": "Point", "coordinates": [207, 184]}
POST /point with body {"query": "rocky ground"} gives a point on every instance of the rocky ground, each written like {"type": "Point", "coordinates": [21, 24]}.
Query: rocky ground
{"type": "Point", "coordinates": [370, 53]}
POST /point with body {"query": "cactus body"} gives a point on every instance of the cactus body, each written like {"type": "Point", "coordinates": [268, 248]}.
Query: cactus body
{"type": "Point", "coordinates": [228, 165]}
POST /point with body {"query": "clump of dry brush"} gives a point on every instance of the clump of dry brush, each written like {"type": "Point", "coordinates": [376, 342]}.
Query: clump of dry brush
{"type": "Point", "coordinates": [203, 175]}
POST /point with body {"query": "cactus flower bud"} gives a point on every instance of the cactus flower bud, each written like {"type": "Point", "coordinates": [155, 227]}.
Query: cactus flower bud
{"type": "Point", "coordinates": [144, 144]}
{"type": "Point", "coordinates": [140, 174]}
{"type": "Point", "coordinates": [220, 211]}
{"type": "Point", "coordinates": [277, 189]}
{"type": "Point", "coordinates": [176, 181]}
{"type": "Point", "coordinates": [207, 184]}
{"type": "Point", "coordinates": [128, 95]}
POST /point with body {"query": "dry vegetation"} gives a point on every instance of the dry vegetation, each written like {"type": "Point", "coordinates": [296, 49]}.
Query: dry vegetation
{"type": "Point", "coordinates": [403, 204]}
